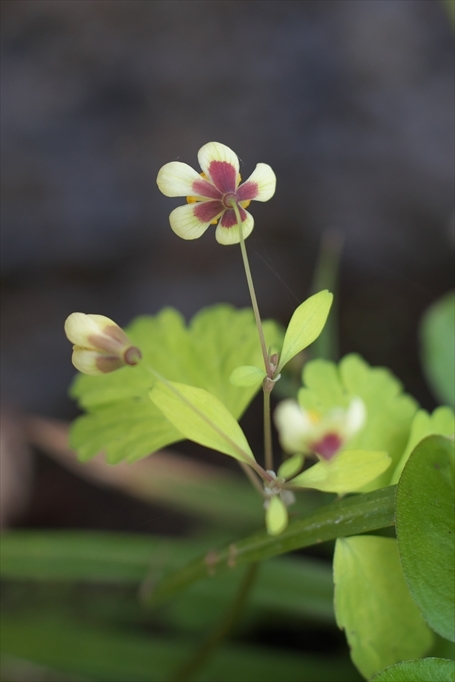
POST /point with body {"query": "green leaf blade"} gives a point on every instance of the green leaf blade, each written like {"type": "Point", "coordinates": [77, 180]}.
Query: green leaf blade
{"type": "Point", "coordinates": [247, 375]}
{"type": "Point", "coordinates": [305, 326]}
{"type": "Point", "coordinates": [349, 471]}
{"type": "Point", "coordinates": [426, 531]}
{"type": "Point", "coordinates": [201, 417]}
{"type": "Point", "coordinates": [373, 605]}
{"type": "Point", "coordinates": [422, 670]}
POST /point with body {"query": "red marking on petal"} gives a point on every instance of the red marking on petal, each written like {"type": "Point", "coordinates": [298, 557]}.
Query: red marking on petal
{"type": "Point", "coordinates": [117, 333]}
{"type": "Point", "coordinates": [229, 219]}
{"type": "Point", "coordinates": [106, 343]}
{"type": "Point", "coordinates": [202, 188]}
{"type": "Point", "coordinates": [108, 363]}
{"type": "Point", "coordinates": [224, 176]}
{"type": "Point", "coordinates": [248, 191]}
{"type": "Point", "coordinates": [328, 446]}
{"type": "Point", "coordinates": [206, 211]}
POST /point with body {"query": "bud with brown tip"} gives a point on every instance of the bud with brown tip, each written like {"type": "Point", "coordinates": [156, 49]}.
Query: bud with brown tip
{"type": "Point", "coordinates": [100, 345]}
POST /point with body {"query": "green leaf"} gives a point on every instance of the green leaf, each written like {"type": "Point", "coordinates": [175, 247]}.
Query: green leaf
{"type": "Point", "coordinates": [129, 429]}
{"type": "Point", "coordinates": [291, 466]}
{"type": "Point", "coordinates": [422, 670]}
{"type": "Point", "coordinates": [437, 335]}
{"type": "Point", "coordinates": [276, 516]}
{"type": "Point", "coordinates": [305, 326]}
{"type": "Point", "coordinates": [426, 531]}
{"type": "Point", "coordinates": [389, 411]}
{"type": "Point", "coordinates": [123, 559]}
{"type": "Point", "coordinates": [116, 655]}
{"type": "Point", "coordinates": [90, 556]}
{"type": "Point", "coordinates": [247, 375]}
{"type": "Point", "coordinates": [347, 472]}
{"type": "Point", "coordinates": [441, 422]}
{"type": "Point", "coordinates": [122, 420]}
{"type": "Point", "coordinates": [373, 605]}
{"type": "Point", "coordinates": [202, 418]}
{"type": "Point", "coordinates": [356, 514]}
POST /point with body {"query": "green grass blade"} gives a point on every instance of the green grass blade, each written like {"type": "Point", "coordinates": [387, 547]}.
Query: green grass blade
{"type": "Point", "coordinates": [105, 655]}
{"type": "Point", "coordinates": [302, 587]}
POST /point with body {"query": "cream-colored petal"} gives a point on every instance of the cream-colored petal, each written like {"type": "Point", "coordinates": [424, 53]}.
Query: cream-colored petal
{"type": "Point", "coordinates": [265, 179]}
{"type": "Point", "coordinates": [355, 417]}
{"type": "Point", "coordinates": [215, 151]}
{"type": "Point", "coordinates": [176, 179]}
{"type": "Point", "coordinates": [294, 426]}
{"type": "Point", "coordinates": [79, 326]}
{"type": "Point", "coordinates": [230, 235]}
{"type": "Point", "coordinates": [85, 361]}
{"type": "Point", "coordinates": [185, 224]}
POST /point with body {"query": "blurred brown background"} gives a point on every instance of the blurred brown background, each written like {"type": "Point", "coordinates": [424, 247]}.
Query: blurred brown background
{"type": "Point", "coordinates": [351, 103]}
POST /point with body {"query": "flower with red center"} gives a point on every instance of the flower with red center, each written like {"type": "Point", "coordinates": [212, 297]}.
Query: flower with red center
{"type": "Point", "coordinates": [100, 345]}
{"type": "Point", "coordinates": [210, 195]}
{"type": "Point", "coordinates": [308, 431]}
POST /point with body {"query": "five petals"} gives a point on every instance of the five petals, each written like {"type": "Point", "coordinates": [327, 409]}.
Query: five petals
{"type": "Point", "coordinates": [211, 193]}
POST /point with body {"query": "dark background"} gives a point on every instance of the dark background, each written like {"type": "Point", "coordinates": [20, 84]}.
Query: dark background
{"type": "Point", "coordinates": [351, 103]}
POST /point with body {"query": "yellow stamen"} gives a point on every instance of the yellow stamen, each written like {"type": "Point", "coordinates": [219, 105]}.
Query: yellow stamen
{"type": "Point", "coordinates": [314, 416]}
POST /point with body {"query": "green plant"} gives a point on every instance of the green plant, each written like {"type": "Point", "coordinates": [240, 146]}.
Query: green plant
{"type": "Point", "coordinates": [351, 432]}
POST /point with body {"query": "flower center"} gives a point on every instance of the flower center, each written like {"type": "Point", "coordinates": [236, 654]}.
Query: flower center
{"type": "Point", "coordinates": [328, 446]}
{"type": "Point", "coordinates": [229, 199]}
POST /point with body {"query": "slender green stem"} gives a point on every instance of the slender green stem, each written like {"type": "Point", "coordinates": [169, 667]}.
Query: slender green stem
{"type": "Point", "coordinates": [216, 637]}
{"type": "Point", "coordinates": [268, 450]}
{"type": "Point", "coordinates": [253, 478]}
{"type": "Point", "coordinates": [249, 280]}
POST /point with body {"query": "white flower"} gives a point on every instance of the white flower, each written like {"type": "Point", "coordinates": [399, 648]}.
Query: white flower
{"type": "Point", "coordinates": [210, 194]}
{"type": "Point", "coordinates": [305, 431]}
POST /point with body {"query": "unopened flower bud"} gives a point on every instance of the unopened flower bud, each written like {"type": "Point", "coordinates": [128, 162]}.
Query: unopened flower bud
{"type": "Point", "coordinates": [100, 345]}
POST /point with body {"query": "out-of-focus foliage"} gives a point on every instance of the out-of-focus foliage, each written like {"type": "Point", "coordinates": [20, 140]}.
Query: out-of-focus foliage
{"type": "Point", "coordinates": [122, 420]}
{"type": "Point", "coordinates": [438, 348]}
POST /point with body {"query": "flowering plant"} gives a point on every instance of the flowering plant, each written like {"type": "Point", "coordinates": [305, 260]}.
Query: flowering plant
{"type": "Point", "coordinates": [350, 432]}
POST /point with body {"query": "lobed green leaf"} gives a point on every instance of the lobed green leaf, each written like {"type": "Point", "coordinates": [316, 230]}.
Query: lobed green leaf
{"type": "Point", "coordinates": [121, 419]}
{"type": "Point", "coordinates": [389, 411]}
{"type": "Point", "coordinates": [373, 605]}
{"type": "Point", "coordinates": [441, 422]}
